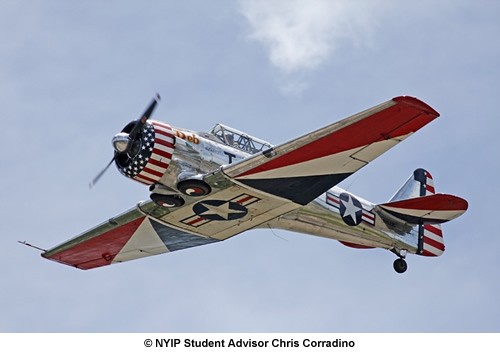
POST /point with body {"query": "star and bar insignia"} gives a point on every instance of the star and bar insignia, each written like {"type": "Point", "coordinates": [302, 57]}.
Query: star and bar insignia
{"type": "Point", "coordinates": [220, 210]}
{"type": "Point", "coordinates": [350, 208]}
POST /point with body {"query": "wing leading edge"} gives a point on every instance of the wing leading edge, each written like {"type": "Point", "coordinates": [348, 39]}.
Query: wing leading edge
{"type": "Point", "coordinates": [304, 168]}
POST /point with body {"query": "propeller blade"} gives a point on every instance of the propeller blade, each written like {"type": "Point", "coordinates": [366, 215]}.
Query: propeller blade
{"type": "Point", "coordinates": [101, 173]}
{"type": "Point", "coordinates": [135, 130]}
{"type": "Point", "coordinates": [145, 116]}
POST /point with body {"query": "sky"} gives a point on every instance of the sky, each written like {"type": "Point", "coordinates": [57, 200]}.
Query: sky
{"type": "Point", "coordinates": [73, 74]}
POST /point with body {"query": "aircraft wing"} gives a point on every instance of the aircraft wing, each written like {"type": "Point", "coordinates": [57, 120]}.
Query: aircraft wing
{"type": "Point", "coordinates": [149, 229]}
{"type": "Point", "coordinates": [302, 169]}
{"type": "Point", "coordinates": [128, 236]}
{"type": "Point", "coordinates": [252, 192]}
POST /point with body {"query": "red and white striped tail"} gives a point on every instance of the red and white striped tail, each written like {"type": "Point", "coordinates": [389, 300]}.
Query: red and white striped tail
{"type": "Point", "coordinates": [417, 202]}
{"type": "Point", "coordinates": [429, 184]}
{"type": "Point", "coordinates": [431, 242]}
{"type": "Point", "coordinates": [430, 236]}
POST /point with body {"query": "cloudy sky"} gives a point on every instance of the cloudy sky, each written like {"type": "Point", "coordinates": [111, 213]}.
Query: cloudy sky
{"type": "Point", "coordinates": [73, 74]}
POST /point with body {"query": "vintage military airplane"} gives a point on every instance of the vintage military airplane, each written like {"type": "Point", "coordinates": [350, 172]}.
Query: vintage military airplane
{"type": "Point", "coordinates": [209, 186]}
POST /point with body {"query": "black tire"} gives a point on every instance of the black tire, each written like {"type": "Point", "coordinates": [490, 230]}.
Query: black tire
{"type": "Point", "coordinates": [167, 201]}
{"type": "Point", "coordinates": [400, 266]}
{"type": "Point", "coordinates": [194, 188]}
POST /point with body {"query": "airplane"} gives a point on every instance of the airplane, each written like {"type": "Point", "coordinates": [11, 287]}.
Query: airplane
{"type": "Point", "coordinates": [207, 187]}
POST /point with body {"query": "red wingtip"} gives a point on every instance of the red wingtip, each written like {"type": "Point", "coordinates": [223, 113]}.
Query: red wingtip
{"type": "Point", "coordinates": [417, 103]}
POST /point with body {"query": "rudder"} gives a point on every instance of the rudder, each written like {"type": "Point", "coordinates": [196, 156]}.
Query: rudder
{"type": "Point", "coordinates": [430, 236]}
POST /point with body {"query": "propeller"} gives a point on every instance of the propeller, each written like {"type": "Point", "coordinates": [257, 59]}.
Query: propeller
{"type": "Point", "coordinates": [123, 142]}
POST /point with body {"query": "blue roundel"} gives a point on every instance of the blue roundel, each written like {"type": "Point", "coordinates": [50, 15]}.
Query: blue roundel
{"type": "Point", "coordinates": [351, 209]}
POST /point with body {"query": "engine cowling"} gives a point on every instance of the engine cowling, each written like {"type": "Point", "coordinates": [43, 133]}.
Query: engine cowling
{"type": "Point", "coordinates": [150, 155]}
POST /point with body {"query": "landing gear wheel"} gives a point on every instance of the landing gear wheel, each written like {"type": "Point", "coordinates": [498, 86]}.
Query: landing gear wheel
{"type": "Point", "coordinates": [167, 201]}
{"type": "Point", "coordinates": [194, 187]}
{"type": "Point", "coordinates": [400, 265]}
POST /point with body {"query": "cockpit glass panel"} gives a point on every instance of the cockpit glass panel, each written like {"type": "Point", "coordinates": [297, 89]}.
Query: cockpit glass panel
{"type": "Point", "coordinates": [239, 140]}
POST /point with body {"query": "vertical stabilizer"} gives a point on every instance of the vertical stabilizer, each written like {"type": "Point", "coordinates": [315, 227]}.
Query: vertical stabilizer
{"type": "Point", "coordinates": [419, 184]}
{"type": "Point", "coordinates": [430, 236]}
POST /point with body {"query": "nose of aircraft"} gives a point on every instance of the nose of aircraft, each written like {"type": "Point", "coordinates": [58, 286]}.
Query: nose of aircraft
{"type": "Point", "coordinates": [120, 142]}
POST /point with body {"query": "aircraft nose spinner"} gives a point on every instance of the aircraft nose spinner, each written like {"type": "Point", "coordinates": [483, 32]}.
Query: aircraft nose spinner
{"type": "Point", "coordinates": [143, 152]}
{"type": "Point", "coordinates": [120, 142]}
{"type": "Point", "coordinates": [126, 142]}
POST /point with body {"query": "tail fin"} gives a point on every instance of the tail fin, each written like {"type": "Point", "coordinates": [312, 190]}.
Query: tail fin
{"type": "Point", "coordinates": [418, 185]}
{"type": "Point", "coordinates": [430, 236]}
{"type": "Point", "coordinates": [416, 202]}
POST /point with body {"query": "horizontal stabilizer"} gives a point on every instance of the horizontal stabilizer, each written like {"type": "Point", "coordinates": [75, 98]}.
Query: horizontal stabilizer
{"type": "Point", "coordinates": [437, 208]}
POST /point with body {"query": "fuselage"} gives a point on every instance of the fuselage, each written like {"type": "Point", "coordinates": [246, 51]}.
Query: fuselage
{"type": "Point", "coordinates": [206, 187]}
{"type": "Point", "coordinates": [336, 214]}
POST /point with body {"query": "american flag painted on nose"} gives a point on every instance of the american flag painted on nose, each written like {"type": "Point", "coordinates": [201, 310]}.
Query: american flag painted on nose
{"type": "Point", "coordinates": [154, 156]}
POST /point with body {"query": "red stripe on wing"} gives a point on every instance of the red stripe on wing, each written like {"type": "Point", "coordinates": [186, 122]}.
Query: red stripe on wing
{"type": "Point", "coordinates": [100, 250]}
{"type": "Point", "coordinates": [406, 116]}
{"type": "Point", "coordinates": [244, 199]}
{"type": "Point", "coordinates": [197, 220]}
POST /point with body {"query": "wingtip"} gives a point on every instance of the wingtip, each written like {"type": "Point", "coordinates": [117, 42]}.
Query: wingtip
{"type": "Point", "coordinates": [417, 103]}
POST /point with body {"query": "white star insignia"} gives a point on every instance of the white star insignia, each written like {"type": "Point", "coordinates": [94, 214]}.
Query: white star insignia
{"type": "Point", "coordinates": [350, 209]}
{"type": "Point", "coordinates": [222, 210]}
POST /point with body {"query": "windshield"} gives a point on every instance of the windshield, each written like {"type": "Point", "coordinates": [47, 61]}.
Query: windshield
{"type": "Point", "coordinates": [239, 140]}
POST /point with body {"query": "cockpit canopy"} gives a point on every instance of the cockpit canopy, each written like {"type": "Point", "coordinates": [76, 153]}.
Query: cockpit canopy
{"type": "Point", "coordinates": [239, 140]}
